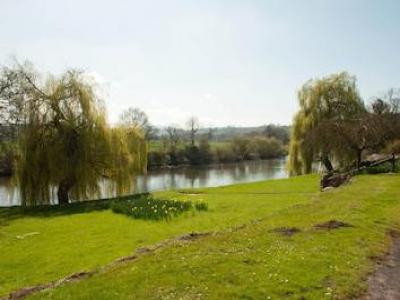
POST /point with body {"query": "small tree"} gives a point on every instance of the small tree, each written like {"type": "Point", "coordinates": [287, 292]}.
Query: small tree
{"type": "Point", "coordinates": [205, 151]}
{"type": "Point", "coordinates": [193, 127]}
{"type": "Point", "coordinates": [174, 138]}
{"type": "Point", "coordinates": [267, 147]}
{"type": "Point", "coordinates": [134, 117]}
{"type": "Point", "coordinates": [241, 147]}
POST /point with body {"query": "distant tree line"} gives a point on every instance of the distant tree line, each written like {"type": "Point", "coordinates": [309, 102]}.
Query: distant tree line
{"type": "Point", "coordinates": [189, 147]}
{"type": "Point", "coordinates": [223, 134]}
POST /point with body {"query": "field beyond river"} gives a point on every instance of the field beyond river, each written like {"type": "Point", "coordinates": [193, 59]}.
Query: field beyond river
{"type": "Point", "coordinates": [276, 239]}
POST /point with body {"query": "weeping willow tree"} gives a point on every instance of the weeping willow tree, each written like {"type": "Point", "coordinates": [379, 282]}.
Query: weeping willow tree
{"type": "Point", "coordinates": [351, 138]}
{"type": "Point", "coordinates": [129, 157]}
{"type": "Point", "coordinates": [65, 143]}
{"type": "Point", "coordinates": [334, 97]}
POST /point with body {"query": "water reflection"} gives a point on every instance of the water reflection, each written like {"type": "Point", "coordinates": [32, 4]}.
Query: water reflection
{"type": "Point", "coordinates": [186, 177]}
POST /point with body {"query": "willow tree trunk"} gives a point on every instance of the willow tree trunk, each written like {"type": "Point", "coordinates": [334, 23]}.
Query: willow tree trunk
{"type": "Point", "coordinates": [393, 163]}
{"type": "Point", "coordinates": [359, 158]}
{"type": "Point", "coordinates": [327, 163]}
{"type": "Point", "coordinates": [63, 192]}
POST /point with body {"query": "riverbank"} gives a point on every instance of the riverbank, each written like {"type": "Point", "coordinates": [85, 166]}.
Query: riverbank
{"type": "Point", "coordinates": [277, 238]}
{"type": "Point", "coordinates": [190, 177]}
{"type": "Point", "coordinates": [213, 164]}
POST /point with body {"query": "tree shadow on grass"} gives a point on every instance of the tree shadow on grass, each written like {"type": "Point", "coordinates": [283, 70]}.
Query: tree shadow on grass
{"type": "Point", "coordinates": [43, 211]}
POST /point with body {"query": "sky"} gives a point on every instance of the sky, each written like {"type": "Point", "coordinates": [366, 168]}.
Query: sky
{"type": "Point", "coordinates": [228, 62]}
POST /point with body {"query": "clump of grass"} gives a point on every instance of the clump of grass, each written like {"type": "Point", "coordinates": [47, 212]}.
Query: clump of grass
{"type": "Point", "coordinates": [201, 206]}
{"type": "Point", "coordinates": [149, 208]}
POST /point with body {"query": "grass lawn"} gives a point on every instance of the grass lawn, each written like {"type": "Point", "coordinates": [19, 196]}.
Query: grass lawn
{"type": "Point", "coordinates": [250, 263]}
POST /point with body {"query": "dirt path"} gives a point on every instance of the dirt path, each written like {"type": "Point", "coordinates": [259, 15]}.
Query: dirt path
{"type": "Point", "coordinates": [384, 284]}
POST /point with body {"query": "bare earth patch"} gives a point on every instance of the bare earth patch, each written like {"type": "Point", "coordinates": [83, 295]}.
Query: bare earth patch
{"type": "Point", "coordinates": [384, 284]}
{"type": "Point", "coordinates": [26, 291]}
{"type": "Point", "coordinates": [287, 231]}
{"type": "Point", "coordinates": [332, 224]}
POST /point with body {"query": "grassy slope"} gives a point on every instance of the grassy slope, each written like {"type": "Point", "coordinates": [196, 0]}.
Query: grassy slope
{"type": "Point", "coordinates": [69, 241]}
{"type": "Point", "coordinates": [250, 263]}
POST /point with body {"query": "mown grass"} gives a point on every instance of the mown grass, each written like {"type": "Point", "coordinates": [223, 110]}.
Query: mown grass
{"type": "Point", "coordinates": [249, 263]}
{"type": "Point", "coordinates": [84, 236]}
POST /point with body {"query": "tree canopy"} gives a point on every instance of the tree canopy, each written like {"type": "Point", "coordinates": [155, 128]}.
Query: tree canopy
{"type": "Point", "coordinates": [65, 144]}
{"type": "Point", "coordinates": [334, 97]}
{"type": "Point", "coordinates": [333, 124]}
{"type": "Point", "coordinates": [135, 117]}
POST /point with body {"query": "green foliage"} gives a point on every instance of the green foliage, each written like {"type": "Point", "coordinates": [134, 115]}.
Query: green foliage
{"type": "Point", "coordinates": [267, 147]}
{"type": "Point", "coordinates": [383, 168]}
{"type": "Point", "coordinates": [136, 118]}
{"type": "Point", "coordinates": [282, 133]}
{"type": "Point", "coordinates": [192, 155]}
{"type": "Point", "coordinates": [201, 206]}
{"type": "Point", "coordinates": [240, 148]}
{"type": "Point", "coordinates": [127, 157]}
{"type": "Point", "coordinates": [331, 98]}
{"type": "Point", "coordinates": [65, 143]}
{"type": "Point", "coordinates": [347, 140]}
{"type": "Point", "coordinates": [150, 208]}
{"type": "Point", "coordinates": [223, 154]}
{"type": "Point", "coordinates": [205, 151]}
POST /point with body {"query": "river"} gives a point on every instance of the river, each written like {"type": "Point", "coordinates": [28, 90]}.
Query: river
{"type": "Point", "coordinates": [183, 177]}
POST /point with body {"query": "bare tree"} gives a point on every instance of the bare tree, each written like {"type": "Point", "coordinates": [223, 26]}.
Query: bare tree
{"type": "Point", "coordinates": [193, 126]}
{"type": "Point", "coordinates": [174, 136]}
{"type": "Point", "coordinates": [135, 117]}
{"type": "Point", "coordinates": [14, 80]}
{"type": "Point", "coordinates": [380, 107]}
{"type": "Point", "coordinates": [393, 98]}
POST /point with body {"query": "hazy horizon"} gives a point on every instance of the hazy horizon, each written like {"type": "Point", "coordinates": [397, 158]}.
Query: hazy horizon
{"type": "Point", "coordinates": [230, 63]}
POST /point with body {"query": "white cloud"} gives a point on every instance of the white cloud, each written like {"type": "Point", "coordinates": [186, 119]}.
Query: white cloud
{"type": "Point", "coordinates": [168, 115]}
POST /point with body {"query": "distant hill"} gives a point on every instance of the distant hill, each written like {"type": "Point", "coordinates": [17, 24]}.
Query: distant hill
{"type": "Point", "coordinates": [227, 133]}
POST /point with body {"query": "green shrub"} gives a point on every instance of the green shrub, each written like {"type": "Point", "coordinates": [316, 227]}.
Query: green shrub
{"type": "Point", "coordinates": [383, 168]}
{"type": "Point", "coordinates": [223, 154]}
{"type": "Point", "coordinates": [267, 147]}
{"type": "Point", "coordinates": [156, 159]}
{"type": "Point", "coordinates": [149, 208]}
{"type": "Point", "coordinates": [201, 206]}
